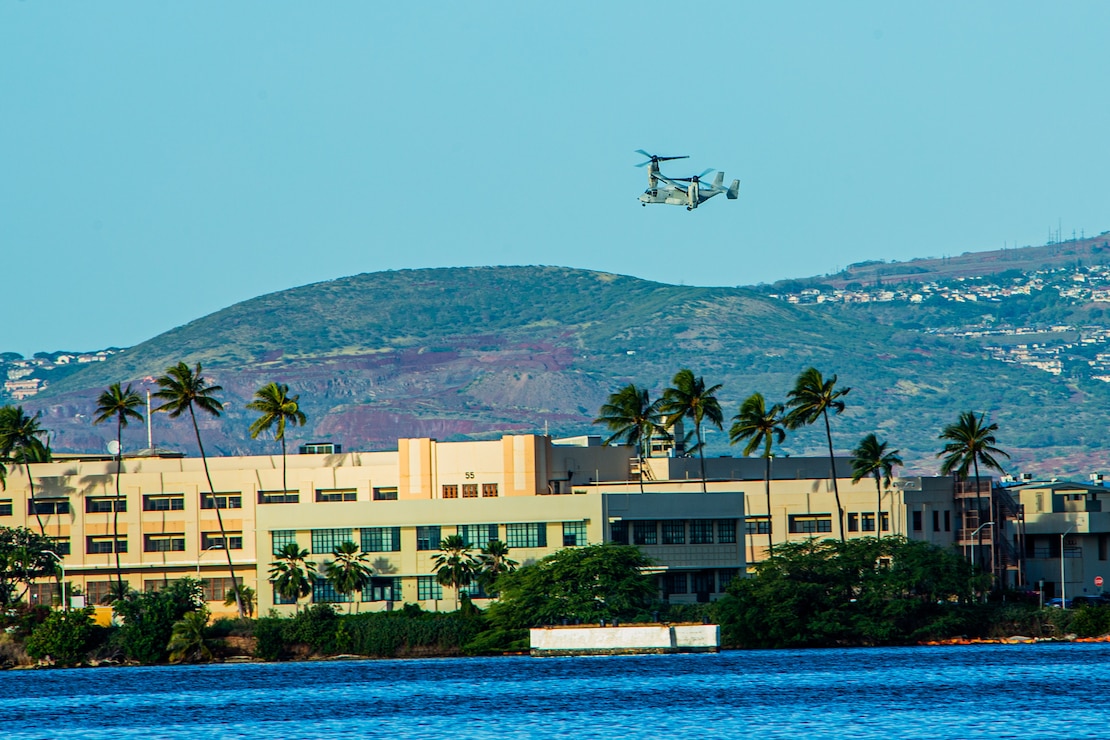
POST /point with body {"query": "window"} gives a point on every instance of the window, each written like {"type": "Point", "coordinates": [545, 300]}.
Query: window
{"type": "Point", "coordinates": [701, 530]}
{"type": "Point", "coordinates": [100, 545]}
{"type": "Point", "coordinates": [674, 532]}
{"type": "Point", "coordinates": [323, 592]}
{"type": "Point", "coordinates": [217, 589]}
{"type": "Point", "coordinates": [574, 534]}
{"type": "Point", "coordinates": [701, 582]}
{"type": "Point", "coordinates": [853, 522]}
{"type": "Point", "coordinates": [936, 521]}
{"type": "Point", "coordinates": [214, 541]}
{"type": "Point", "coordinates": [326, 540]}
{"type": "Point", "coordinates": [810, 523]}
{"type": "Point", "coordinates": [385, 494]}
{"type": "Point", "coordinates": [100, 505]}
{"type": "Point", "coordinates": [279, 497]}
{"type": "Point", "coordinates": [884, 521]}
{"type": "Point", "coordinates": [428, 588]}
{"type": "Point", "coordinates": [675, 583]}
{"type": "Point", "coordinates": [477, 535]}
{"type": "Point", "coordinates": [489, 490]}
{"type": "Point", "coordinates": [98, 592]}
{"type": "Point", "coordinates": [221, 501]}
{"type": "Point", "coordinates": [427, 538]}
{"type": "Point", "coordinates": [867, 521]}
{"type": "Point", "coordinates": [947, 521]}
{"type": "Point", "coordinates": [48, 506]}
{"type": "Point", "coordinates": [381, 539]}
{"type": "Point", "coordinates": [475, 591]}
{"type": "Point", "coordinates": [917, 523]}
{"type": "Point", "coordinates": [470, 490]}
{"type": "Point", "coordinates": [724, 577]}
{"type": "Point", "coordinates": [43, 593]}
{"type": "Point", "coordinates": [726, 531]}
{"type": "Point", "coordinates": [382, 589]}
{"type": "Point", "coordinates": [451, 491]}
{"type": "Point", "coordinates": [164, 542]}
{"type": "Point", "coordinates": [283, 537]}
{"type": "Point", "coordinates": [61, 545]}
{"type": "Point", "coordinates": [526, 535]}
{"type": "Point", "coordinates": [164, 503]}
{"type": "Point", "coordinates": [279, 599]}
{"type": "Point", "coordinates": [644, 533]}
{"type": "Point", "coordinates": [618, 532]}
{"type": "Point", "coordinates": [321, 448]}
{"type": "Point", "coordinates": [6, 507]}
{"type": "Point", "coordinates": [331, 495]}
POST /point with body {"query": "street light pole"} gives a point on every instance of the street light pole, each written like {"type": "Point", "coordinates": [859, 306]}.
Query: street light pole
{"type": "Point", "coordinates": [210, 547]}
{"type": "Point", "coordinates": [1063, 587]}
{"type": "Point", "coordinates": [62, 595]}
{"type": "Point", "coordinates": [977, 530]}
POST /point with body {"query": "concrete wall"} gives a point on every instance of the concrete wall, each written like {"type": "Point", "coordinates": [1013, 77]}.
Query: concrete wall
{"type": "Point", "coordinates": [650, 638]}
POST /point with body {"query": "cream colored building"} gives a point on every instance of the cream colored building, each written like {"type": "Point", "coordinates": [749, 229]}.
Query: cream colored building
{"type": "Point", "coordinates": [535, 494]}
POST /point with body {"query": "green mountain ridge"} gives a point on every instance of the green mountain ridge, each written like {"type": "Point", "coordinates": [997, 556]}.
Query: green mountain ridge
{"type": "Point", "coordinates": [474, 352]}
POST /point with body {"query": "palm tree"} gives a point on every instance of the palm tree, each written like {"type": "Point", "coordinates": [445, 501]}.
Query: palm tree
{"type": "Point", "coordinates": [968, 443]}
{"type": "Point", "coordinates": [277, 409]}
{"type": "Point", "coordinates": [246, 595]}
{"type": "Point", "coordinates": [758, 425]}
{"type": "Point", "coordinates": [292, 574]}
{"type": "Point", "coordinates": [188, 640]}
{"type": "Point", "coordinates": [121, 405]}
{"type": "Point", "coordinates": [184, 389]}
{"type": "Point", "coordinates": [455, 566]}
{"type": "Point", "coordinates": [492, 562]}
{"type": "Point", "coordinates": [350, 572]}
{"type": "Point", "coordinates": [871, 457]}
{"type": "Point", "coordinates": [811, 400]}
{"type": "Point", "coordinates": [633, 418]}
{"type": "Point", "coordinates": [689, 398]}
{"type": "Point", "coordinates": [20, 443]}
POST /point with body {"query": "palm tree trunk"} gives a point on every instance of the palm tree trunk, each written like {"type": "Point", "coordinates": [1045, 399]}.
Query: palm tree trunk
{"type": "Point", "coordinates": [979, 514]}
{"type": "Point", "coordinates": [34, 504]}
{"type": "Point", "coordinates": [832, 466]}
{"type": "Point", "coordinates": [767, 491]}
{"type": "Point", "coordinates": [284, 485]}
{"type": "Point", "coordinates": [115, 504]}
{"type": "Point", "coordinates": [701, 456]}
{"type": "Point", "coordinates": [219, 517]}
{"type": "Point", "coordinates": [878, 509]}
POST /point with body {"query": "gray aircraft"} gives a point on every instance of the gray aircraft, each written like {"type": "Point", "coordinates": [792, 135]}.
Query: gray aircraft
{"type": "Point", "coordinates": [682, 191]}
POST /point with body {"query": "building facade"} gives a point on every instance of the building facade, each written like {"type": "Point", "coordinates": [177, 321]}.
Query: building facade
{"type": "Point", "coordinates": [535, 494]}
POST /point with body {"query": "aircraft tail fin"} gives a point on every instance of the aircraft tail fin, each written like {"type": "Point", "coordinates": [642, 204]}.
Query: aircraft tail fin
{"type": "Point", "coordinates": [719, 180]}
{"type": "Point", "coordinates": [733, 190]}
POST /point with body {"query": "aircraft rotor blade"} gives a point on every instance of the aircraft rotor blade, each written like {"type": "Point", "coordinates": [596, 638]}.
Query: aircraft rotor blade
{"type": "Point", "coordinates": [657, 159]}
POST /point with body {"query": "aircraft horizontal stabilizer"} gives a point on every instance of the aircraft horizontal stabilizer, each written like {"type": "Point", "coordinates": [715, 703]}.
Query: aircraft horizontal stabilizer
{"type": "Point", "coordinates": [733, 190]}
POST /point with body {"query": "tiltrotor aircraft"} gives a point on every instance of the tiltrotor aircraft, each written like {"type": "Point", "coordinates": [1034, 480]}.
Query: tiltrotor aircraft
{"type": "Point", "coordinates": [682, 191]}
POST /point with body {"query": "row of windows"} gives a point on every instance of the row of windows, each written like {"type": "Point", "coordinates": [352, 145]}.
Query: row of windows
{"type": "Point", "coordinates": [176, 502]}
{"type": "Point", "coordinates": [378, 589]}
{"type": "Point", "coordinates": [469, 490]}
{"type": "Point", "coordinates": [388, 539]}
{"type": "Point", "coordinates": [175, 542]}
{"type": "Point", "coordinates": [674, 532]}
{"type": "Point", "coordinates": [918, 524]}
{"type": "Point", "coordinates": [698, 582]}
{"type": "Point", "coordinates": [865, 521]}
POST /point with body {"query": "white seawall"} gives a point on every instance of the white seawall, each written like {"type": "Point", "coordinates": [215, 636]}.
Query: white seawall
{"type": "Point", "coordinates": [639, 638]}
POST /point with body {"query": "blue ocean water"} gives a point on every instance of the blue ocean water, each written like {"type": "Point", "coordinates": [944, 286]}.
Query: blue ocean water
{"type": "Point", "coordinates": [995, 691]}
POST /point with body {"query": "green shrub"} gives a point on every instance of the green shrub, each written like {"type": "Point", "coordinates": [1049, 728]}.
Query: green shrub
{"type": "Point", "coordinates": [315, 627]}
{"type": "Point", "coordinates": [269, 636]}
{"type": "Point", "coordinates": [497, 642]}
{"type": "Point", "coordinates": [148, 618]}
{"type": "Point", "coordinates": [1091, 621]}
{"type": "Point", "coordinates": [65, 637]}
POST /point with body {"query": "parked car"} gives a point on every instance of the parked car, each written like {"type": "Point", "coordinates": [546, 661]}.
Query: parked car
{"type": "Point", "coordinates": [1058, 603]}
{"type": "Point", "coordinates": [1091, 600]}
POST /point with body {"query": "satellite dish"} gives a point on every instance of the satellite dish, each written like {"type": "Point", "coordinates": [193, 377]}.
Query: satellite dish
{"type": "Point", "coordinates": [113, 447]}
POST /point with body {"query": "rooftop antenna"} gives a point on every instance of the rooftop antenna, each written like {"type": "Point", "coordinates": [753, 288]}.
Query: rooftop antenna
{"type": "Point", "coordinates": [546, 433]}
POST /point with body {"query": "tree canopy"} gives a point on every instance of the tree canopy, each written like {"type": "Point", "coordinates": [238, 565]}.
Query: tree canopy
{"type": "Point", "coordinates": [864, 591]}
{"type": "Point", "coordinates": [578, 583]}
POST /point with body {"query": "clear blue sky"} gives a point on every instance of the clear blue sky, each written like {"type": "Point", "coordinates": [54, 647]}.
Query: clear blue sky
{"type": "Point", "coordinates": [160, 161]}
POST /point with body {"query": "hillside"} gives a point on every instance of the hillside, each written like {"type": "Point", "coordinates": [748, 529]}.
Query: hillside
{"type": "Point", "coordinates": [472, 352]}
